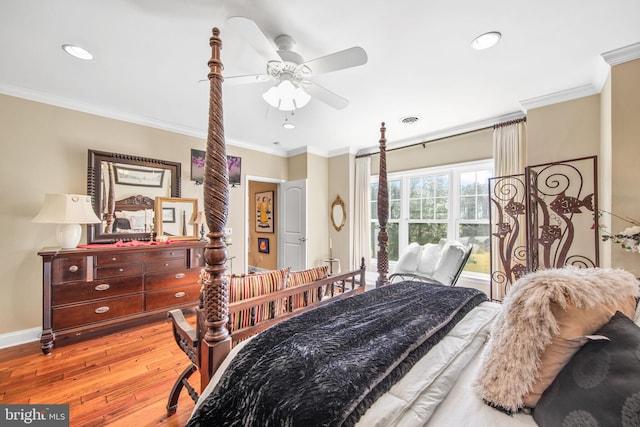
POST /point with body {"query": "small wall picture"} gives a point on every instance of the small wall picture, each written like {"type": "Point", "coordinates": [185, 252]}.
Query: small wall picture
{"type": "Point", "coordinates": [235, 170]}
{"type": "Point", "coordinates": [264, 212]}
{"type": "Point", "coordinates": [197, 166]}
{"type": "Point", "coordinates": [263, 245]}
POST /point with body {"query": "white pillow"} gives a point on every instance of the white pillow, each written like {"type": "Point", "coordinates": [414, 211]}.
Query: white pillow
{"type": "Point", "coordinates": [409, 258]}
{"type": "Point", "coordinates": [450, 263]}
{"type": "Point", "coordinates": [429, 258]}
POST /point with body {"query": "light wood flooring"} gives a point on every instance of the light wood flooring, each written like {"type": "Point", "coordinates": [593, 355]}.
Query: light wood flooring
{"type": "Point", "coordinates": [120, 379]}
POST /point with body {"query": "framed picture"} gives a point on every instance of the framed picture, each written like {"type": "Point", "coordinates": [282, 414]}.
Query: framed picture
{"type": "Point", "coordinates": [263, 245]}
{"type": "Point", "coordinates": [197, 166]}
{"type": "Point", "coordinates": [234, 164]}
{"type": "Point", "coordinates": [235, 169]}
{"type": "Point", "coordinates": [264, 212]}
{"type": "Point", "coordinates": [138, 177]}
{"type": "Point", "coordinates": [168, 214]}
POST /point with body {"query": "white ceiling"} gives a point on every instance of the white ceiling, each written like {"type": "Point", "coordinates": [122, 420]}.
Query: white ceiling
{"type": "Point", "coordinates": [151, 54]}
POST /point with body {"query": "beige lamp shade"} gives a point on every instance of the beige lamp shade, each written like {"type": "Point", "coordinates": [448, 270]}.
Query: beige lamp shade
{"type": "Point", "coordinates": [68, 211]}
{"type": "Point", "coordinates": [197, 218]}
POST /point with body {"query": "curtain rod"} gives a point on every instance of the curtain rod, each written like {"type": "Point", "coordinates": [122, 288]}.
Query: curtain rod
{"type": "Point", "coordinates": [424, 143]}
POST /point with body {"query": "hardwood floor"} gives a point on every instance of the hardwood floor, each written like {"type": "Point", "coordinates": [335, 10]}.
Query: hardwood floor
{"type": "Point", "coordinates": [121, 379]}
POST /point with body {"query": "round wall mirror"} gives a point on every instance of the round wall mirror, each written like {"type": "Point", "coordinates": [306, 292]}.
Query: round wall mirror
{"type": "Point", "coordinates": [338, 214]}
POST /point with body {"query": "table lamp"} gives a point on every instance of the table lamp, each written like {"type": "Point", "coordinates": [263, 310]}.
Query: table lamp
{"type": "Point", "coordinates": [199, 220]}
{"type": "Point", "coordinates": [68, 211]}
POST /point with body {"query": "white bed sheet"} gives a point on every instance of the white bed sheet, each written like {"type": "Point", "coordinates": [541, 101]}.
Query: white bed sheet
{"type": "Point", "coordinates": [437, 391]}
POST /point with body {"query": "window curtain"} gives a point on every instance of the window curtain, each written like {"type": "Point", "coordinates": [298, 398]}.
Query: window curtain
{"type": "Point", "coordinates": [361, 213]}
{"type": "Point", "coordinates": [509, 154]}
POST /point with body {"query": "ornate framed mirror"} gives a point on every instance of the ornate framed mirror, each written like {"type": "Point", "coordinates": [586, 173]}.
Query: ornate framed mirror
{"type": "Point", "coordinates": [338, 214]}
{"type": "Point", "coordinates": [174, 218]}
{"type": "Point", "coordinates": [123, 189]}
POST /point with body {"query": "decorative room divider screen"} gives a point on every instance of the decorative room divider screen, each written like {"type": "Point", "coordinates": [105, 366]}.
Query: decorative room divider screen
{"type": "Point", "coordinates": [544, 218]}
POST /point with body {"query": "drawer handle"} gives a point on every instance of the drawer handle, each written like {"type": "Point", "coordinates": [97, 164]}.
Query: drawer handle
{"type": "Point", "coordinates": [179, 294]}
{"type": "Point", "coordinates": [102, 287]}
{"type": "Point", "coordinates": [198, 256]}
{"type": "Point", "coordinates": [114, 258]}
{"type": "Point", "coordinates": [121, 269]}
{"type": "Point", "coordinates": [166, 264]}
{"type": "Point", "coordinates": [171, 253]}
{"type": "Point", "coordinates": [73, 268]}
{"type": "Point", "coordinates": [180, 275]}
{"type": "Point", "coordinates": [101, 310]}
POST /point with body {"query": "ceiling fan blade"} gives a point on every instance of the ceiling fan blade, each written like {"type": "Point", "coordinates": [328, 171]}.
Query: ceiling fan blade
{"type": "Point", "coordinates": [347, 58]}
{"type": "Point", "coordinates": [325, 95]}
{"type": "Point", "coordinates": [250, 78]}
{"type": "Point", "coordinates": [254, 36]}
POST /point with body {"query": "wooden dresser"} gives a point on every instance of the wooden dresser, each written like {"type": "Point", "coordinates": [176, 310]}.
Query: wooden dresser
{"type": "Point", "coordinates": [88, 291]}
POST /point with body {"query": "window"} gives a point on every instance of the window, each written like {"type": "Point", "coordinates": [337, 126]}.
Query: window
{"type": "Point", "coordinates": [438, 204]}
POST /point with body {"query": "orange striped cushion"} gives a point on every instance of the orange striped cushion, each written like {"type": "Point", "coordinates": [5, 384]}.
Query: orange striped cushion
{"type": "Point", "coordinates": [253, 285]}
{"type": "Point", "coordinates": [297, 278]}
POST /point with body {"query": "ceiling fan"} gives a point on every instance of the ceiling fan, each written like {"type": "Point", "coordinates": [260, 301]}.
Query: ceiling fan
{"type": "Point", "coordinates": [293, 88]}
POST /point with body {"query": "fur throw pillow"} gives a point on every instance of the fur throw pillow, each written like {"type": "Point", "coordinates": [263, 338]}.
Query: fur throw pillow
{"type": "Point", "coordinates": [526, 326]}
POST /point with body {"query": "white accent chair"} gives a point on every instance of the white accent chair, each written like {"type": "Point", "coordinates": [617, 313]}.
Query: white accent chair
{"type": "Point", "coordinates": [431, 263]}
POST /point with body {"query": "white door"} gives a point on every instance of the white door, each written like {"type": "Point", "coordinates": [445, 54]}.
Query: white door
{"type": "Point", "coordinates": [293, 225]}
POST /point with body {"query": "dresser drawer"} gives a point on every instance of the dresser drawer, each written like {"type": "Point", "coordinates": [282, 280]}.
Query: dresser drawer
{"type": "Point", "coordinates": [196, 258]}
{"type": "Point", "coordinates": [168, 253]}
{"type": "Point", "coordinates": [119, 258]}
{"type": "Point", "coordinates": [172, 297]}
{"type": "Point", "coordinates": [119, 270]}
{"type": "Point", "coordinates": [165, 264]}
{"type": "Point", "coordinates": [169, 280]}
{"type": "Point", "coordinates": [83, 314]}
{"type": "Point", "coordinates": [70, 269]}
{"type": "Point", "coordinates": [69, 293]}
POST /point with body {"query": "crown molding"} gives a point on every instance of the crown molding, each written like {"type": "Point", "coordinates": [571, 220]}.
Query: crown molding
{"type": "Point", "coordinates": [562, 96]}
{"type": "Point", "coordinates": [622, 55]}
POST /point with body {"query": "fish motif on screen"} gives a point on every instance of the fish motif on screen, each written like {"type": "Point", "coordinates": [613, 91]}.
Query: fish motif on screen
{"type": "Point", "coordinates": [549, 234]}
{"type": "Point", "coordinates": [504, 228]}
{"type": "Point", "coordinates": [564, 204]}
{"type": "Point", "coordinates": [514, 208]}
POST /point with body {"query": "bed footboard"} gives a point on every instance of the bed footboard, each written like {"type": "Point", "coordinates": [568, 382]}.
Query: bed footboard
{"type": "Point", "coordinates": [207, 357]}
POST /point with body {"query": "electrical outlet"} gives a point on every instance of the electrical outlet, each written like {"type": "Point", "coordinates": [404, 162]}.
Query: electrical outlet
{"type": "Point", "coordinates": [227, 231]}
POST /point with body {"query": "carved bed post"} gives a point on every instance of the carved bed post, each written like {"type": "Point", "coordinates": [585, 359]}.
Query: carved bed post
{"type": "Point", "coordinates": [383, 213]}
{"type": "Point", "coordinates": [216, 343]}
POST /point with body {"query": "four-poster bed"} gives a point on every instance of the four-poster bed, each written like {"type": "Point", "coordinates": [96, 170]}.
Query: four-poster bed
{"type": "Point", "coordinates": [402, 354]}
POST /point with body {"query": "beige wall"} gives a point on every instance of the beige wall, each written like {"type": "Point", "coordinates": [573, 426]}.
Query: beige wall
{"type": "Point", "coordinates": [625, 143]}
{"type": "Point", "coordinates": [317, 210]}
{"type": "Point", "coordinates": [341, 183]}
{"type": "Point", "coordinates": [564, 131]}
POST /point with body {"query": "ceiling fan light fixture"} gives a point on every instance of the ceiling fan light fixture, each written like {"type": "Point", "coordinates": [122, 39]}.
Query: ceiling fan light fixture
{"type": "Point", "coordinates": [486, 40]}
{"type": "Point", "coordinates": [77, 52]}
{"type": "Point", "coordinates": [286, 96]}
{"type": "Point", "coordinates": [288, 125]}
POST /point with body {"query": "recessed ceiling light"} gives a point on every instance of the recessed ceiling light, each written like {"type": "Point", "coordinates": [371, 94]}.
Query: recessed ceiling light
{"type": "Point", "coordinates": [288, 125]}
{"type": "Point", "coordinates": [77, 51]}
{"type": "Point", "coordinates": [486, 40]}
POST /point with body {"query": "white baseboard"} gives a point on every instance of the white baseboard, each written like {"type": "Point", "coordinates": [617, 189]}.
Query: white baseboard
{"type": "Point", "coordinates": [20, 337]}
